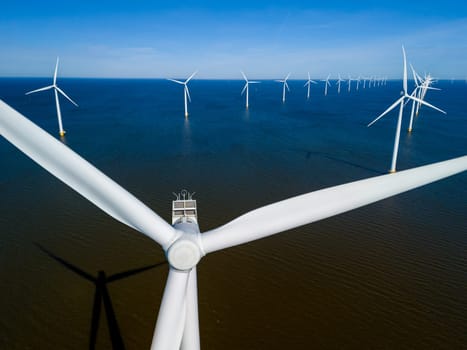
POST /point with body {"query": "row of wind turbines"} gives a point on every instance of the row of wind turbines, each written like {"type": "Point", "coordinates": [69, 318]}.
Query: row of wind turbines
{"type": "Point", "coordinates": [373, 80]}
{"type": "Point", "coordinates": [417, 96]}
{"type": "Point", "coordinates": [184, 245]}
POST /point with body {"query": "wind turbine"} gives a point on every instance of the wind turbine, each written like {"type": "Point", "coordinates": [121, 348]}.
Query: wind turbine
{"type": "Point", "coordinates": [421, 87]}
{"type": "Point", "coordinates": [326, 84]}
{"type": "Point", "coordinates": [401, 101]}
{"type": "Point", "coordinates": [308, 83]}
{"type": "Point", "coordinates": [57, 103]}
{"type": "Point", "coordinates": [284, 85]}
{"type": "Point", "coordinates": [349, 82]}
{"type": "Point", "coordinates": [358, 81]}
{"type": "Point", "coordinates": [245, 88]}
{"type": "Point", "coordinates": [364, 81]}
{"type": "Point", "coordinates": [184, 245]}
{"type": "Point", "coordinates": [339, 80]}
{"type": "Point", "coordinates": [186, 92]}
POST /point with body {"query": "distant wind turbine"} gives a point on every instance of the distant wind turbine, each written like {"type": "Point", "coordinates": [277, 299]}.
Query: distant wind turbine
{"type": "Point", "coordinates": [364, 81]}
{"type": "Point", "coordinates": [284, 85]}
{"type": "Point", "coordinates": [349, 82]}
{"type": "Point", "coordinates": [358, 81]}
{"type": "Point", "coordinates": [245, 88]}
{"type": "Point", "coordinates": [308, 83]}
{"type": "Point", "coordinates": [326, 84]}
{"type": "Point", "coordinates": [421, 87]}
{"type": "Point", "coordinates": [57, 103]}
{"type": "Point", "coordinates": [401, 102]}
{"type": "Point", "coordinates": [339, 80]}
{"type": "Point", "coordinates": [186, 92]}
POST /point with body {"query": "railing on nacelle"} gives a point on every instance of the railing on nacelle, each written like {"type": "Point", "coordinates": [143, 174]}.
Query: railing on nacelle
{"type": "Point", "coordinates": [184, 208]}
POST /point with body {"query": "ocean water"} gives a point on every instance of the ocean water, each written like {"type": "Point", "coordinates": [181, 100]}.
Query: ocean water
{"type": "Point", "coordinates": [389, 275]}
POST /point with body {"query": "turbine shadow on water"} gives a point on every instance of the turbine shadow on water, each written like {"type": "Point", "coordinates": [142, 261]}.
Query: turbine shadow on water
{"type": "Point", "coordinates": [340, 160]}
{"type": "Point", "coordinates": [101, 295]}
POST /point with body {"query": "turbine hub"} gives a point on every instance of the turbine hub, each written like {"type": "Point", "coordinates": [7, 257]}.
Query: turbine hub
{"type": "Point", "coordinates": [184, 254]}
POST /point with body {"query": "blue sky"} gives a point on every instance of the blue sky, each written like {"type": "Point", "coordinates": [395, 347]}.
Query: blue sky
{"type": "Point", "coordinates": [266, 39]}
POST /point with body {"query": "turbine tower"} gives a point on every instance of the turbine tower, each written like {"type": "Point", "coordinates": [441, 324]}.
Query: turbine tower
{"type": "Point", "coordinates": [308, 83]}
{"type": "Point", "coordinates": [186, 92]}
{"type": "Point", "coordinates": [245, 88]}
{"type": "Point", "coordinates": [57, 103]}
{"type": "Point", "coordinates": [184, 246]}
{"type": "Point", "coordinates": [401, 101]}
{"type": "Point", "coordinates": [284, 85]}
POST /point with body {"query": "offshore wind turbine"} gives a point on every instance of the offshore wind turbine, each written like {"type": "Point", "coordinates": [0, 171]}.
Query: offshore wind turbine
{"type": "Point", "coordinates": [358, 81]}
{"type": "Point", "coordinates": [186, 92]}
{"type": "Point", "coordinates": [57, 102]}
{"type": "Point", "coordinates": [284, 85]}
{"type": "Point", "coordinates": [421, 87]}
{"type": "Point", "coordinates": [401, 101]}
{"type": "Point", "coordinates": [326, 84]}
{"type": "Point", "coordinates": [425, 85]}
{"type": "Point", "coordinates": [308, 83]}
{"type": "Point", "coordinates": [364, 81]}
{"type": "Point", "coordinates": [339, 80]}
{"type": "Point", "coordinates": [349, 82]}
{"type": "Point", "coordinates": [245, 88]}
{"type": "Point", "coordinates": [184, 246]}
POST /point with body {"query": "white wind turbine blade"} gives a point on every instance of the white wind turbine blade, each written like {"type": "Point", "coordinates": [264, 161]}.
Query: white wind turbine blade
{"type": "Point", "coordinates": [244, 76]}
{"type": "Point", "coordinates": [188, 93]}
{"type": "Point", "coordinates": [81, 176]}
{"type": "Point", "coordinates": [41, 89]}
{"type": "Point", "coordinates": [172, 312]}
{"type": "Point", "coordinates": [390, 108]}
{"type": "Point", "coordinates": [191, 76]}
{"type": "Point", "coordinates": [405, 71]}
{"type": "Point", "coordinates": [414, 75]}
{"type": "Point", "coordinates": [425, 103]}
{"type": "Point", "coordinates": [286, 85]}
{"type": "Point", "coordinates": [280, 81]}
{"type": "Point", "coordinates": [176, 81]}
{"type": "Point", "coordinates": [318, 205]}
{"type": "Point", "coordinates": [244, 88]}
{"type": "Point", "coordinates": [55, 73]}
{"type": "Point", "coordinates": [254, 82]}
{"type": "Point", "coordinates": [309, 78]}
{"type": "Point", "coordinates": [190, 339]}
{"type": "Point", "coordinates": [431, 88]}
{"type": "Point", "coordinates": [69, 99]}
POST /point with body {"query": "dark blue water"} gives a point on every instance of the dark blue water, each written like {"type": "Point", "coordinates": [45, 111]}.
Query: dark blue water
{"type": "Point", "coordinates": [390, 275]}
